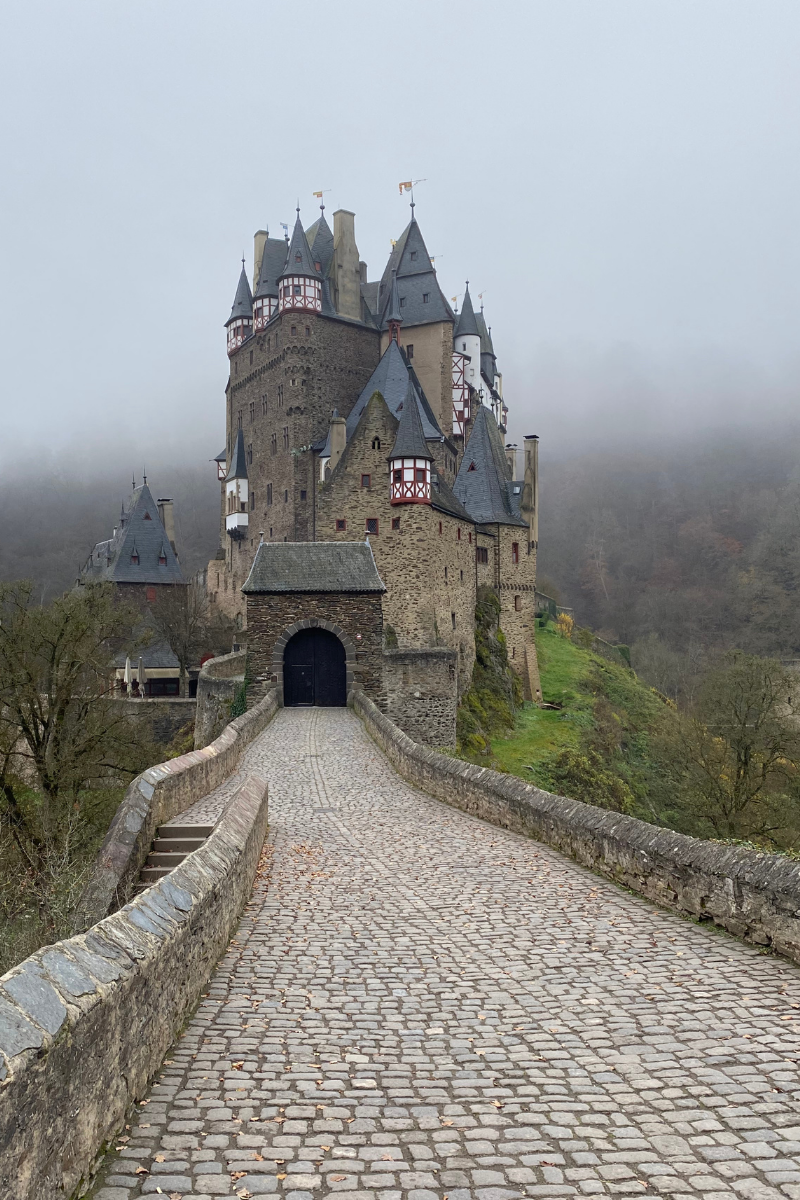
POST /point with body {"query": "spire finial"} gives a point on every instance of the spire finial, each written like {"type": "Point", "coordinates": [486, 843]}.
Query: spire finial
{"type": "Point", "coordinates": [242, 262]}
{"type": "Point", "coordinates": [298, 208]}
{"type": "Point", "coordinates": [133, 483]}
{"type": "Point", "coordinates": [144, 476]}
{"type": "Point", "coordinates": [412, 205]}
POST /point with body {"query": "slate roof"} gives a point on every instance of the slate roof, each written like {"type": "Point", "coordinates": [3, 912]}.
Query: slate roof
{"type": "Point", "coordinates": [409, 440]}
{"type": "Point", "coordinates": [466, 318]}
{"type": "Point", "coordinates": [482, 484]}
{"type": "Point", "coordinates": [320, 241]}
{"type": "Point", "coordinates": [416, 278]}
{"type": "Point", "coordinates": [394, 312]}
{"type": "Point", "coordinates": [488, 360]}
{"type": "Point", "coordinates": [299, 246]}
{"type": "Point", "coordinates": [443, 499]}
{"type": "Point", "coordinates": [238, 468]}
{"type": "Point", "coordinates": [313, 567]}
{"type": "Point", "coordinates": [369, 295]}
{"type": "Point", "coordinates": [139, 530]}
{"type": "Point", "coordinates": [390, 378]}
{"type": "Point", "coordinates": [242, 301]}
{"type": "Point", "coordinates": [272, 264]}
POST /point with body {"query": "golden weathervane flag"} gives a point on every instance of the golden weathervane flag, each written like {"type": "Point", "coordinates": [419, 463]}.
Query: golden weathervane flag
{"type": "Point", "coordinates": [406, 187]}
{"type": "Point", "coordinates": [317, 194]}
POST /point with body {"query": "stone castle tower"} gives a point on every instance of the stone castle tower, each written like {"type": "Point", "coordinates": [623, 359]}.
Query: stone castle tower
{"type": "Point", "coordinates": [371, 410]}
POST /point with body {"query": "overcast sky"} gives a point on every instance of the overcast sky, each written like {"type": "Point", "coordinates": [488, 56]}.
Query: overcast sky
{"type": "Point", "coordinates": [621, 178]}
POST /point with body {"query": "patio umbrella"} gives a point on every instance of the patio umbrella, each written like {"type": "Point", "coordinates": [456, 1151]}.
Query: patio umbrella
{"type": "Point", "coordinates": [128, 676]}
{"type": "Point", "coordinates": [142, 676]}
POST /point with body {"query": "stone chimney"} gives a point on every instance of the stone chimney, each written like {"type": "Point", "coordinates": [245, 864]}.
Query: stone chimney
{"type": "Point", "coordinates": [511, 459]}
{"type": "Point", "coordinates": [346, 266]}
{"type": "Point", "coordinates": [166, 513]}
{"type": "Point", "coordinates": [338, 438]}
{"type": "Point", "coordinates": [259, 241]}
{"type": "Point", "coordinates": [529, 505]}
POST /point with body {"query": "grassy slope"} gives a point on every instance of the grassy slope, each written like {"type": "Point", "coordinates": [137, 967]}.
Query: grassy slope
{"type": "Point", "coordinates": [541, 732]}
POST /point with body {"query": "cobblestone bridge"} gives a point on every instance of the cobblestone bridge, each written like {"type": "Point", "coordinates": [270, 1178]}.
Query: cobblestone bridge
{"type": "Point", "coordinates": [418, 1005]}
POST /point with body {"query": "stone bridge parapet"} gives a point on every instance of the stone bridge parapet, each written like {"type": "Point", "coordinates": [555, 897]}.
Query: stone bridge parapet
{"type": "Point", "coordinates": [753, 896]}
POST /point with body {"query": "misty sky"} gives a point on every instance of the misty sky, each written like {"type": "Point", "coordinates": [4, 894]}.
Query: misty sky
{"type": "Point", "coordinates": [621, 178]}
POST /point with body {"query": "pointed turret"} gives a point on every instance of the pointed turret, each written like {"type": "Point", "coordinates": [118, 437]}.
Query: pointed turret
{"type": "Point", "coordinates": [467, 341]}
{"type": "Point", "coordinates": [240, 323]}
{"type": "Point", "coordinates": [320, 242]}
{"type": "Point", "coordinates": [300, 281]}
{"type": "Point", "coordinates": [482, 484]}
{"type": "Point", "coordinates": [236, 492]}
{"type": "Point", "coordinates": [410, 459]}
{"type": "Point", "coordinates": [265, 301]}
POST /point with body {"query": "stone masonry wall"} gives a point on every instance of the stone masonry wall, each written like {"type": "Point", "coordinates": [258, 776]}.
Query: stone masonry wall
{"type": "Point", "coordinates": [432, 360]}
{"type": "Point", "coordinates": [357, 616]}
{"type": "Point", "coordinates": [428, 569]}
{"type": "Point", "coordinates": [85, 1024]}
{"type": "Point", "coordinates": [419, 693]}
{"type": "Point", "coordinates": [220, 679]}
{"type": "Point", "coordinates": [157, 795]}
{"type": "Point", "coordinates": [754, 896]}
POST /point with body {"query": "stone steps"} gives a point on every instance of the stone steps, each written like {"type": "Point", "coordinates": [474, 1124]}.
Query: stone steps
{"type": "Point", "coordinates": [172, 843]}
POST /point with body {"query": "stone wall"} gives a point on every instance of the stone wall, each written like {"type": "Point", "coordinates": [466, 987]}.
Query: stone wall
{"type": "Point", "coordinates": [419, 693]}
{"type": "Point", "coordinates": [219, 681]}
{"type": "Point", "coordinates": [754, 896]}
{"type": "Point", "coordinates": [167, 715]}
{"type": "Point", "coordinates": [157, 795]}
{"type": "Point", "coordinates": [85, 1024]}
{"type": "Point", "coordinates": [355, 618]}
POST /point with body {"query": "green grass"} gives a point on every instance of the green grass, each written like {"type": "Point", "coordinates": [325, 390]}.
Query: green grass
{"type": "Point", "coordinates": [540, 732]}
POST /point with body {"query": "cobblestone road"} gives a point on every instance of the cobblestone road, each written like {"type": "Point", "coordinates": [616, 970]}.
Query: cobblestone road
{"type": "Point", "coordinates": [418, 1005]}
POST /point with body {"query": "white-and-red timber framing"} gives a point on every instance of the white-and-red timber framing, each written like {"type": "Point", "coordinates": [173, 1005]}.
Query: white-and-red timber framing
{"type": "Point", "coordinates": [301, 292]}
{"type": "Point", "coordinates": [238, 332]}
{"type": "Point", "coordinates": [410, 481]}
{"type": "Point", "coordinates": [460, 394]}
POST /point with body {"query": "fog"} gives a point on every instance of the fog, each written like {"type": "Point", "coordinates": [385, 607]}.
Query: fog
{"type": "Point", "coordinates": [620, 180]}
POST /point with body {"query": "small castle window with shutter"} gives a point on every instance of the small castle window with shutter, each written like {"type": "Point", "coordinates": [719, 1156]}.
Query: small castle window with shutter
{"type": "Point", "coordinates": [482, 554]}
{"type": "Point", "coordinates": [308, 331]}
{"type": "Point", "coordinates": [395, 522]}
{"type": "Point", "coordinates": [151, 595]}
{"type": "Point", "coordinates": [409, 351]}
{"type": "Point", "coordinates": [515, 552]}
{"type": "Point", "coordinates": [341, 525]}
{"type": "Point", "coordinates": [372, 524]}
{"type": "Point", "coordinates": [303, 494]}
{"type": "Point", "coordinates": [518, 603]}
{"type": "Point", "coordinates": [365, 481]}
{"type": "Point", "coordinates": [294, 331]}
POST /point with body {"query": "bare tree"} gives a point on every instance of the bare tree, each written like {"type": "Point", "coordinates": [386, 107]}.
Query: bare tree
{"type": "Point", "coordinates": [184, 619]}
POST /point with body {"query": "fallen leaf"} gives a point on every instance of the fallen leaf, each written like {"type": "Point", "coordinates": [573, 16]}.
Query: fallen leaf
{"type": "Point", "coordinates": [282, 1176]}
{"type": "Point", "coordinates": [445, 1122]}
{"type": "Point", "coordinates": [237, 1066]}
{"type": "Point", "coordinates": [238, 1175]}
{"type": "Point", "coordinates": [141, 1171]}
{"type": "Point", "coordinates": [334, 1178]}
{"type": "Point", "coordinates": [176, 1196]}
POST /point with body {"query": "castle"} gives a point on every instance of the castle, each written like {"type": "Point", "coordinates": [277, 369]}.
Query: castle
{"type": "Point", "coordinates": [356, 412]}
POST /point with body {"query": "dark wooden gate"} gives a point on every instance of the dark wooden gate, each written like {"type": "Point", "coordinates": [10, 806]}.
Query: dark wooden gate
{"type": "Point", "coordinates": [314, 670]}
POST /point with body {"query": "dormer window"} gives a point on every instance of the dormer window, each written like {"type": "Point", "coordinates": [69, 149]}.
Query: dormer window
{"type": "Point", "coordinates": [402, 301]}
{"type": "Point", "coordinates": [426, 297]}
{"type": "Point", "coordinates": [298, 257]}
{"type": "Point", "coordinates": [413, 256]}
{"type": "Point", "coordinates": [135, 559]}
{"type": "Point", "coordinates": [147, 517]}
{"type": "Point", "coordinates": [162, 559]}
{"type": "Point", "coordinates": [471, 467]}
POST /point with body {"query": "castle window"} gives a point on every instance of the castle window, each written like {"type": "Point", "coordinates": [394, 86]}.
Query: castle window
{"type": "Point", "coordinates": [239, 419]}
{"type": "Point", "coordinates": [402, 301]}
{"type": "Point", "coordinates": [470, 539]}
{"type": "Point", "coordinates": [440, 527]}
{"type": "Point", "coordinates": [395, 522]}
{"type": "Point", "coordinates": [398, 476]}
{"type": "Point", "coordinates": [372, 524]}
{"type": "Point", "coordinates": [286, 437]}
{"type": "Point", "coordinates": [445, 574]}
{"type": "Point", "coordinates": [273, 445]}
{"type": "Point", "coordinates": [513, 651]}
{"type": "Point", "coordinates": [420, 473]}
{"type": "Point", "coordinates": [518, 603]}
{"type": "Point", "coordinates": [286, 499]}
{"type": "Point", "coordinates": [376, 443]}
{"type": "Point", "coordinates": [482, 554]}
{"type": "Point", "coordinates": [135, 559]}
{"type": "Point", "coordinates": [298, 257]}
{"type": "Point", "coordinates": [459, 533]}
{"type": "Point", "coordinates": [308, 331]}
{"type": "Point", "coordinates": [409, 351]}
{"type": "Point", "coordinates": [294, 331]}
{"type": "Point", "coordinates": [269, 498]}
{"type": "Point", "coordinates": [251, 358]}
{"type": "Point", "coordinates": [303, 494]}
{"type": "Point", "coordinates": [471, 467]}
{"type": "Point", "coordinates": [280, 395]}
{"type": "Point", "coordinates": [303, 382]}
{"type": "Point", "coordinates": [252, 410]}
{"type": "Point", "coordinates": [425, 300]}
{"type": "Point", "coordinates": [462, 576]}
{"type": "Point", "coordinates": [151, 595]}
{"type": "Point", "coordinates": [453, 619]}
{"type": "Point", "coordinates": [365, 481]}
{"type": "Point", "coordinates": [162, 559]}
{"type": "Point", "coordinates": [250, 454]}
{"type": "Point", "coordinates": [413, 256]}
{"type": "Point", "coordinates": [297, 289]}
{"type": "Point", "coordinates": [263, 406]}
{"type": "Point", "coordinates": [341, 525]}
{"type": "Point", "coordinates": [515, 552]}
{"type": "Point", "coordinates": [147, 517]}
{"type": "Point", "coordinates": [270, 534]}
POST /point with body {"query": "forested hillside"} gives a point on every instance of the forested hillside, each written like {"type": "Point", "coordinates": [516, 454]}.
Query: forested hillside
{"type": "Point", "coordinates": [679, 550]}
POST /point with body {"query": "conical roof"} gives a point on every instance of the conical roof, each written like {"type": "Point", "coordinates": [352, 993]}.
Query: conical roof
{"type": "Point", "coordinates": [422, 298]}
{"type": "Point", "coordinates": [273, 261]}
{"type": "Point", "coordinates": [466, 318]}
{"type": "Point", "coordinates": [238, 462]}
{"type": "Point", "coordinates": [482, 482]}
{"type": "Point", "coordinates": [242, 301]}
{"type": "Point", "coordinates": [484, 333]}
{"type": "Point", "coordinates": [410, 440]}
{"type": "Point", "coordinates": [320, 241]}
{"type": "Point", "coordinates": [141, 537]}
{"type": "Point", "coordinates": [299, 260]}
{"type": "Point", "coordinates": [391, 378]}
